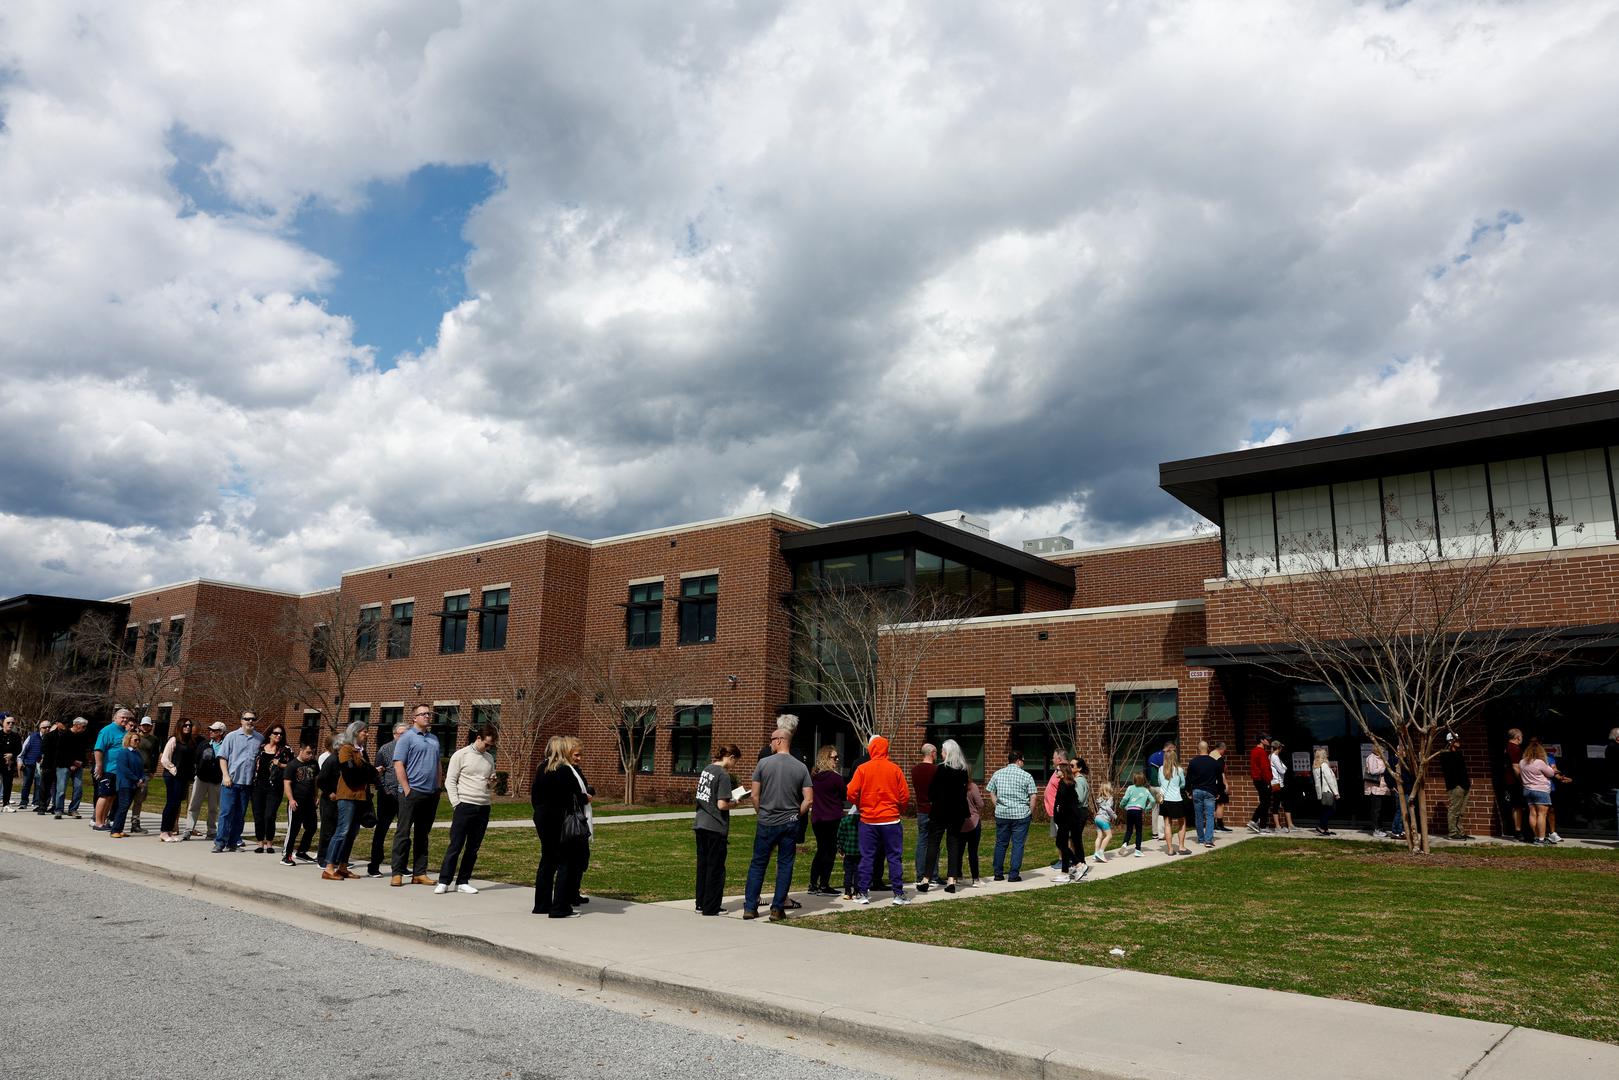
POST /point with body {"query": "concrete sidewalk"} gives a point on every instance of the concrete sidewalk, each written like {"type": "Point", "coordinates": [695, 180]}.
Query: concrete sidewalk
{"type": "Point", "coordinates": [1027, 1018]}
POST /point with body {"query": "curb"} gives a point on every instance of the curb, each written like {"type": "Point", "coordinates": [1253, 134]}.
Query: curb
{"type": "Point", "coordinates": [889, 1034]}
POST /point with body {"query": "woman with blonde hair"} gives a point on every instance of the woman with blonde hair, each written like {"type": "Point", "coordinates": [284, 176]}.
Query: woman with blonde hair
{"type": "Point", "coordinates": [826, 810]}
{"type": "Point", "coordinates": [561, 800]}
{"type": "Point", "coordinates": [1173, 807]}
{"type": "Point", "coordinates": [1537, 775]}
{"type": "Point", "coordinates": [1326, 789]}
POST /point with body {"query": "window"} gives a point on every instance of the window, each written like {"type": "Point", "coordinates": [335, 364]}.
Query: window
{"type": "Point", "coordinates": [961, 719]}
{"type": "Point", "coordinates": [1304, 529]}
{"type": "Point", "coordinates": [319, 645]}
{"type": "Point", "coordinates": [149, 653]}
{"type": "Point", "coordinates": [1581, 498]}
{"type": "Point", "coordinates": [699, 609]}
{"type": "Point", "coordinates": [171, 651]}
{"type": "Point", "coordinates": [365, 632]}
{"type": "Point", "coordinates": [927, 569]}
{"type": "Point", "coordinates": [492, 619]}
{"type": "Point", "coordinates": [1139, 723]}
{"type": "Point", "coordinates": [1464, 511]}
{"type": "Point", "coordinates": [387, 718]}
{"type": "Point", "coordinates": [446, 719]}
{"type": "Point", "coordinates": [132, 641]}
{"type": "Point", "coordinates": [1408, 513]}
{"type": "Point", "coordinates": [637, 738]}
{"type": "Point", "coordinates": [164, 717]}
{"type": "Point", "coordinates": [361, 713]}
{"type": "Point", "coordinates": [1250, 534]}
{"type": "Point", "coordinates": [1041, 724]}
{"type": "Point", "coordinates": [399, 630]}
{"type": "Point", "coordinates": [309, 732]}
{"type": "Point", "coordinates": [1522, 514]}
{"type": "Point", "coordinates": [1359, 512]}
{"type": "Point", "coordinates": [486, 714]}
{"type": "Point", "coordinates": [691, 739]}
{"type": "Point", "coordinates": [452, 633]}
{"type": "Point", "coordinates": [643, 617]}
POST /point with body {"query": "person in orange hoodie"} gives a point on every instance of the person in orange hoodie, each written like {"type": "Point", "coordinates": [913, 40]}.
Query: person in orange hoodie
{"type": "Point", "coordinates": [879, 791]}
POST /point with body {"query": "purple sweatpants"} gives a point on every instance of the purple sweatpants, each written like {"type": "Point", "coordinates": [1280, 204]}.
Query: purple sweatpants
{"type": "Point", "coordinates": [889, 839]}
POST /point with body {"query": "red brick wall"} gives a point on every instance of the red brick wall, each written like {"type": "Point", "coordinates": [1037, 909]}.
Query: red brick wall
{"type": "Point", "coordinates": [1171, 570]}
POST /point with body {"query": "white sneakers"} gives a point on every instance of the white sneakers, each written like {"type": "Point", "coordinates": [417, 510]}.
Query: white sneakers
{"type": "Point", "coordinates": [440, 889]}
{"type": "Point", "coordinates": [901, 900]}
{"type": "Point", "coordinates": [1138, 853]}
{"type": "Point", "coordinates": [465, 888]}
{"type": "Point", "coordinates": [862, 898]}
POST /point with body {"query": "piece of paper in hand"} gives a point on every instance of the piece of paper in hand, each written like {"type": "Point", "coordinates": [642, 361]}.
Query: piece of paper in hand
{"type": "Point", "coordinates": [738, 793]}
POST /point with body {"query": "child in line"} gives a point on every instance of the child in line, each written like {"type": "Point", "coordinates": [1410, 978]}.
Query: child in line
{"type": "Point", "coordinates": [130, 769]}
{"type": "Point", "coordinates": [1070, 825]}
{"type": "Point", "coordinates": [1138, 797]}
{"type": "Point", "coordinates": [1104, 819]}
{"type": "Point", "coordinates": [849, 847]}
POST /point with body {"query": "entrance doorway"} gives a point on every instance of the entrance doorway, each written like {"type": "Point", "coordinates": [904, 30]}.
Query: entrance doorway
{"type": "Point", "coordinates": [817, 727]}
{"type": "Point", "coordinates": [1571, 714]}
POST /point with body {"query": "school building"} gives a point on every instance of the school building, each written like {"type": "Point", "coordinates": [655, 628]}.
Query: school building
{"type": "Point", "coordinates": [1111, 650]}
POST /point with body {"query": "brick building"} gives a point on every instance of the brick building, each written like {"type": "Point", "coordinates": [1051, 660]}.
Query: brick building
{"type": "Point", "coordinates": [1112, 650]}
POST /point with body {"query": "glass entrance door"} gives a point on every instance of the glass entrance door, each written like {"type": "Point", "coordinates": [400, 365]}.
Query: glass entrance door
{"type": "Point", "coordinates": [1571, 714]}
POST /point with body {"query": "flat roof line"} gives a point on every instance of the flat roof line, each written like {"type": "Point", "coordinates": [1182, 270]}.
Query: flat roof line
{"type": "Point", "coordinates": [204, 581]}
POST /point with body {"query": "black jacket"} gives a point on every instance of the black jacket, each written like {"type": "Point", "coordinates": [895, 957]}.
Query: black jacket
{"type": "Point", "coordinates": [554, 795]}
{"type": "Point", "coordinates": [1454, 766]}
{"type": "Point", "coordinates": [948, 795]}
{"type": "Point", "coordinates": [58, 749]}
{"type": "Point", "coordinates": [11, 743]}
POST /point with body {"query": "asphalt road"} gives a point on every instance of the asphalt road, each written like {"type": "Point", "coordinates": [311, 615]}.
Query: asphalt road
{"type": "Point", "coordinates": [103, 977]}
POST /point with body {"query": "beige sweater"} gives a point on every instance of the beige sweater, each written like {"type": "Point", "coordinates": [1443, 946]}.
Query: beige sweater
{"type": "Point", "coordinates": [470, 777]}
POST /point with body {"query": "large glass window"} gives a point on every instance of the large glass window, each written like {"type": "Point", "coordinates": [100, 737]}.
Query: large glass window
{"type": "Point", "coordinates": [1581, 498]}
{"type": "Point", "coordinates": [1304, 529]}
{"type": "Point", "coordinates": [484, 714]}
{"type": "Point", "coordinates": [132, 642]}
{"type": "Point", "coordinates": [699, 609]}
{"type": "Point", "coordinates": [366, 630]}
{"type": "Point", "coordinates": [171, 650]}
{"type": "Point", "coordinates": [399, 625]}
{"type": "Point", "coordinates": [1463, 494]}
{"type": "Point", "coordinates": [452, 633]}
{"type": "Point", "coordinates": [492, 619]}
{"type": "Point", "coordinates": [691, 739]}
{"type": "Point", "coordinates": [928, 568]}
{"type": "Point", "coordinates": [643, 617]}
{"type": "Point", "coordinates": [1518, 488]}
{"type": "Point", "coordinates": [1359, 512]}
{"type": "Point", "coordinates": [1250, 534]}
{"type": "Point", "coordinates": [961, 719]}
{"type": "Point", "coordinates": [846, 569]}
{"type": "Point", "coordinates": [1041, 725]}
{"type": "Point", "coordinates": [387, 718]}
{"type": "Point", "coordinates": [888, 568]}
{"type": "Point", "coordinates": [1408, 505]}
{"type": "Point", "coordinates": [149, 654]}
{"type": "Point", "coordinates": [1139, 723]}
{"type": "Point", "coordinates": [638, 739]}
{"type": "Point", "coordinates": [446, 722]}
{"type": "Point", "coordinates": [320, 646]}
{"type": "Point", "coordinates": [309, 731]}
{"type": "Point", "coordinates": [362, 713]}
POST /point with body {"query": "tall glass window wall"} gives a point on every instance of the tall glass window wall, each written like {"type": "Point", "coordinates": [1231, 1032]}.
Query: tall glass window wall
{"type": "Point", "coordinates": [1522, 504]}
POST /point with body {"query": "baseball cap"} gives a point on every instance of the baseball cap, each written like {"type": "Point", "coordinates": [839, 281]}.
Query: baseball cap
{"type": "Point", "coordinates": [146, 721]}
{"type": "Point", "coordinates": [1450, 736]}
{"type": "Point", "coordinates": [216, 726]}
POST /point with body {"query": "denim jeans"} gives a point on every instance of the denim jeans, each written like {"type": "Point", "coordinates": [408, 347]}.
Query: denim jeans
{"type": "Point", "coordinates": [76, 778]}
{"type": "Point", "coordinates": [783, 840]}
{"type": "Point", "coordinates": [120, 814]}
{"type": "Point", "coordinates": [337, 848]}
{"type": "Point", "coordinates": [924, 869]}
{"type": "Point", "coordinates": [59, 799]}
{"type": "Point", "coordinates": [233, 802]}
{"type": "Point", "coordinates": [1203, 812]}
{"type": "Point", "coordinates": [1013, 831]}
{"type": "Point", "coordinates": [30, 775]}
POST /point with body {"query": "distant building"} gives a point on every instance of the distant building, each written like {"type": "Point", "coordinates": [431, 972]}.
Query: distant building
{"type": "Point", "coordinates": [1048, 545]}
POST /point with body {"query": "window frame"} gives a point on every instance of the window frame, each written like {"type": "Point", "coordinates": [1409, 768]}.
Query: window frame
{"type": "Point", "coordinates": [451, 617]}
{"type": "Point", "coordinates": [646, 610]}
{"type": "Point", "coordinates": [699, 607]}
{"type": "Point", "coordinates": [693, 725]}
{"type": "Point", "coordinates": [174, 641]}
{"type": "Point", "coordinates": [492, 619]}
{"type": "Point", "coordinates": [399, 643]}
{"type": "Point", "coordinates": [367, 627]}
{"type": "Point", "coordinates": [149, 647]}
{"type": "Point", "coordinates": [938, 730]}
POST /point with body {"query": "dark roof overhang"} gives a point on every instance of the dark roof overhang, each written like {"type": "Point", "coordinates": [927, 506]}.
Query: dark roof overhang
{"type": "Point", "coordinates": [907, 529]}
{"type": "Point", "coordinates": [1569, 639]}
{"type": "Point", "coordinates": [34, 606]}
{"type": "Point", "coordinates": [1574, 423]}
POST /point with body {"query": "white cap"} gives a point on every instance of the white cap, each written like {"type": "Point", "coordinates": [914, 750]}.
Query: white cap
{"type": "Point", "coordinates": [146, 721]}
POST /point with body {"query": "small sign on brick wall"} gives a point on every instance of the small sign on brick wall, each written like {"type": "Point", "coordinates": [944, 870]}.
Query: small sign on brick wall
{"type": "Point", "coordinates": [1199, 673]}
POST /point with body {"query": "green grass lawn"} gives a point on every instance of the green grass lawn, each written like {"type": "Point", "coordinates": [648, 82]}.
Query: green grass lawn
{"type": "Point", "coordinates": [1513, 935]}
{"type": "Point", "coordinates": [645, 862]}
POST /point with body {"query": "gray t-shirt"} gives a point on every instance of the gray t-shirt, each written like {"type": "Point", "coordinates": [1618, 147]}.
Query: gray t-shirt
{"type": "Point", "coordinates": [782, 780]}
{"type": "Point", "coordinates": [713, 784]}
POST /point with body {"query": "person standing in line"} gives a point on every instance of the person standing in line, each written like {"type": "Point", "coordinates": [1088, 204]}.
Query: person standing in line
{"type": "Point", "coordinates": [269, 778]}
{"type": "Point", "coordinates": [127, 771]}
{"type": "Point", "coordinates": [559, 794]}
{"type": "Point", "coordinates": [238, 757]}
{"type": "Point", "coordinates": [146, 743]}
{"type": "Point", "coordinates": [972, 830]}
{"type": "Point", "coordinates": [387, 799]}
{"type": "Point", "coordinates": [1059, 757]}
{"type": "Point", "coordinates": [1537, 775]}
{"type": "Point", "coordinates": [417, 764]}
{"type": "Point", "coordinates": [178, 764]}
{"type": "Point", "coordinates": [826, 812]}
{"type": "Point", "coordinates": [1280, 819]}
{"type": "Point", "coordinates": [1203, 779]}
{"type": "Point", "coordinates": [1223, 798]}
{"type": "Point", "coordinates": [1012, 793]}
{"type": "Point", "coordinates": [326, 784]}
{"type": "Point", "coordinates": [79, 731]}
{"type": "Point", "coordinates": [1326, 789]}
{"type": "Point", "coordinates": [109, 739]}
{"type": "Point", "coordinates": [301, 787]}
{"type": "Point", "coordinates": [1138, 798]}
{"type": "Point", "coordinates": [1374, 788]}
{"type": "Point", "coordinates": [205, 788]}
{"type": "Point", "coordinates": [711, 826]}
{"type": "Point", "coordinates": [1070, 828]}
{"type": "Point", "coordinates": [1155, 776]}
{"type": "Point", "coordinates": [33, 752]}
{"type": "Point", "coordinates": [355, 775]}
{"type": "Point", "coordinates": [950, 811]}
{"type": "Point", "coordinates": [10, 750]}
{"type": "Point", "coordinates": [1174, 805]}
{"type": "Point", "coordinates": [1259, 774]}
{"type": "Point", "coordinates": [1512, 785]}
{"type": "Point", "coordinates": [53, 767]}
{"type": "Point", "coordinates": [921, 783]}
{"type": "Point", "coordinates": [1458, 785]}
{"type": "Point", "coordinates": [782, 791]}
{"type": "Point", "coordinates": [469, 783]}
{"type": "Point", "coordinates": [879, 794]}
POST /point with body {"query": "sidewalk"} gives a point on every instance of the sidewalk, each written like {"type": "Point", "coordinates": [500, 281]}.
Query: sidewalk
{"type": "Point", "coordinates": [1020, 1017]}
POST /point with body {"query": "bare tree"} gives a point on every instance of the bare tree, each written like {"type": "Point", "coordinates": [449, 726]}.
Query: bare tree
{"type": "Point", "coordinates": [622, 691]}
{"type": "Point", "coordinates": [148, 668]}
{"type": "Point", "coordinates": [67, 677]}
{"type": "Point", "coordinates": [1412, 648]}
{"type": "Point", "coordinates": [530, 697]}
{"type": "Point", "coordinates": [857, 649]}
{"type": "Point", "coordinates": [329, 643]}
{"type": "Point", "coordinates": [256, 676]}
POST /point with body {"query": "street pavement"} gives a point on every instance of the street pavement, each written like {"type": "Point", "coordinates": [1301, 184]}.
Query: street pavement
{"type": "Point", "coordinates": [103, 977]}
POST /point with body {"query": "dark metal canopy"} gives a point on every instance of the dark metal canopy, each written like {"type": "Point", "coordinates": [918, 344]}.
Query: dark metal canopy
{"type": "Point", "coordinates": [914, 530]}
{"type": "Point", "coordinates": [1257, 654]}
{"type": "Point", "coordinates": [1545, 427]}
{"type": "Point", "coordinates": [55, 609]}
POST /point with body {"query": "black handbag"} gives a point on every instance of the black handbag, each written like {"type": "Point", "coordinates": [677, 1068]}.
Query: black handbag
{"type": "Point", "coordinates": [575, 826]}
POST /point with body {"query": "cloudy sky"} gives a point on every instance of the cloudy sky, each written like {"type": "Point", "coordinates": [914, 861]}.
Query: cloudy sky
{"type": "Point", "coordinates": [287, 288]}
